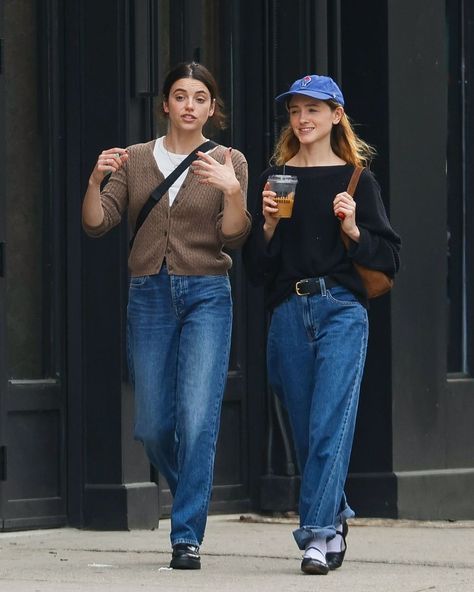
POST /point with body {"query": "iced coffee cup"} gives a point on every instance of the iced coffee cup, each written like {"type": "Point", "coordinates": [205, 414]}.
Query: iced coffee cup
{"type": "Point", "coordinates": [284, 186]}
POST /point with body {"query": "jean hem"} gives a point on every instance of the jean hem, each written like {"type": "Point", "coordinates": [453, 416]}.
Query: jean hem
{"type": "Point", "coordinates": [185, 542]}
{"type": "Point", "coordinates": [305, 534]}
{"type": "Point", "coordinates": [345, 515]}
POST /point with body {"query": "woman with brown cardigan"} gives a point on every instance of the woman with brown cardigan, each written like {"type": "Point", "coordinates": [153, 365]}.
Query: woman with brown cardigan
{"type": "Point", "coordinates": [180, 306]}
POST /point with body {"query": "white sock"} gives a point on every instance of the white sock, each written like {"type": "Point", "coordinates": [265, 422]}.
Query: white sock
{"type": "Point", "coordinates": [316, 549]}
{"type": "Point", "coordinates": [335, 545]}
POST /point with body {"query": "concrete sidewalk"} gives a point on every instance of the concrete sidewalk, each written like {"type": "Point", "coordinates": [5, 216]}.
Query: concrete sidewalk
{"type": "Point", "coordinates": [244, 554]}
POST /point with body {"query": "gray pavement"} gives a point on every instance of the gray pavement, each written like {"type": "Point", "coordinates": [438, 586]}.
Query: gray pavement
{"type": "Point", "coordinates": [241, 554]}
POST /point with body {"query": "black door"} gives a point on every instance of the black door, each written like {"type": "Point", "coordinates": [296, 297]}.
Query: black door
{"type": "Point", "coordinates": [31, 311]}
{"type": "Point", "coordinates": [204, 31]}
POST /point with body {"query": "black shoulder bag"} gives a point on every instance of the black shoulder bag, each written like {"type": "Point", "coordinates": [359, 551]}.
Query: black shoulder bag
{"type": "Point", "coordinates": [163, 187]}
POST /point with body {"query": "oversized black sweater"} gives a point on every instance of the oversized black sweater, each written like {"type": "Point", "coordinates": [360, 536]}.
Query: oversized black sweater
{"type": "Point", "coordinates": [309, 243]}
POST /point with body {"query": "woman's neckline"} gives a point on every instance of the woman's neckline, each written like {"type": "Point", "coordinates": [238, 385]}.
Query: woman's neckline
{"type": "Point", "coordinates": [167, 148]}
{"type": "Point", "coordinates": [317, 166]}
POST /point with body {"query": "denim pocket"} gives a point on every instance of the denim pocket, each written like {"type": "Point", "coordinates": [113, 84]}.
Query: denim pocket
{"type": "Point", "coordinates": [138, 281]}
{"type": "Point", "coordinates": [341, 295]}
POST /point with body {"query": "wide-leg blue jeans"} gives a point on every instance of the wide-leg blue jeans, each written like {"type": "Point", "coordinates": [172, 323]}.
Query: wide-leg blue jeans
{"type": "Point", "coordinates": [179, 335]}
{"type": "Point", "coordinates": [316, 354]}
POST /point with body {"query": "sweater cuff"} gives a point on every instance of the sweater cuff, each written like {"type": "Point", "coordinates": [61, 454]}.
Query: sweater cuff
{"type": "Point", "coordinates": [269, 250]}
{"type": "Point", "coordinates": [95, 231]}
{"type": "Point", "coordinates": [360, 250]}
{"type": "Point", "coordinates": [233, 241]}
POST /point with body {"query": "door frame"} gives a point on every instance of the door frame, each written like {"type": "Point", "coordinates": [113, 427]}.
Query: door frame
{"type": "Point", "coordinates": [3, 378]}
{"type": "Point", "coordinates": [40, 403]}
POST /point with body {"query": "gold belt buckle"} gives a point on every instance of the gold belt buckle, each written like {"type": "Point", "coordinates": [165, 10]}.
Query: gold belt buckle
{"type": "Point", "coordinates": [298, 291]}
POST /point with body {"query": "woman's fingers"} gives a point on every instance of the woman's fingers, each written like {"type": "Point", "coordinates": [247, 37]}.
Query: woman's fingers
{"type": "Point", "coordinates": [344, 205]}
{"type": "Point", "coordinates": [205, 167]}
{"type": "Point", "coordinates": [211, 172]}
{"type": "Point", "coordinates": [269, 201]}
{"type": "Point", "coordinates": [269, 205]}
{"type": "Point", "coordinates": [111, 160]}
{"type": "Point", "coordinates": [119, 151]}
{"type": "Point", "coordinates": [114, 154]}
{"type": "Point", "coordinates": [205, 164]}
{"type": "Point", "coordinates": [228, 159]}
{"type": "Point", "coordinates": [108, 161]}
{"type": "Point", "coordinates": [205, 172]}
{"type": "Point", "coordinates": [204, 158]}
{"type": "Point", "coordinates": [200, 168]}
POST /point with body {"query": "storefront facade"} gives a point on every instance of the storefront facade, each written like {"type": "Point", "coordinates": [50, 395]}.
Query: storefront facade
{"type": "Point", "coordinates": [78, 77]}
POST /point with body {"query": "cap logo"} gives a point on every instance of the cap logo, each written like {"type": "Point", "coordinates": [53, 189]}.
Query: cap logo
{"type": "Point", "coordinates": [305, 81]}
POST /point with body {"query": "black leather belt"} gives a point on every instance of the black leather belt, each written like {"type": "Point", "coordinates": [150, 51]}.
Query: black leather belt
{"type": "Point", "coordinates": [310, 286]}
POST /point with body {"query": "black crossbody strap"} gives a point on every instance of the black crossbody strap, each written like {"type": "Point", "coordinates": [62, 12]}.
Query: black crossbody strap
{"type": "Point", "coordinates": [163, 187]}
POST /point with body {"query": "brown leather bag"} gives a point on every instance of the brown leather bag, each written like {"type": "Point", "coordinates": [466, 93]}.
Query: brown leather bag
{"type": "Point", "coordinates": [375, 282]}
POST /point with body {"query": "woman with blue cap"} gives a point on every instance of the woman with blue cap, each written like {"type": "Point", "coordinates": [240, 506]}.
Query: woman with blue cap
{"type": "Point", "coordinates": [318, 333]}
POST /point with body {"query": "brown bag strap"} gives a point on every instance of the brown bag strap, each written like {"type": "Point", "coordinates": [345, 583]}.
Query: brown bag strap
{"type": "Point", "coordinates": [351, 190]}
{"type": "Point", "coordinates": [354, 180]}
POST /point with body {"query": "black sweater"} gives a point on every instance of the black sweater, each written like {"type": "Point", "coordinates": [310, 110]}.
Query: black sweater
{"type": "Point", "coordinates": [309, 243]}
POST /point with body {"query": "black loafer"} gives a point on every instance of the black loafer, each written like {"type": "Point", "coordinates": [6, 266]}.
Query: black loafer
{"type": "Point", "coordinates": [185, 557]}
{"type": "Point", "coordinates": [314, 567]}
{"type": "Point", "coordinates": [335, 559]}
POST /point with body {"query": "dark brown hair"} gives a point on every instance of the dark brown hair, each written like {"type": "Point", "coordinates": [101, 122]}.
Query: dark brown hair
{"type": "Point", "coordinates": [201, 73]}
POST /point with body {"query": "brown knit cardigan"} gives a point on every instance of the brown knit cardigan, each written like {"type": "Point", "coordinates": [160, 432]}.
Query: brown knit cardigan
{"type": "Point", "coordinates": [189, 233]}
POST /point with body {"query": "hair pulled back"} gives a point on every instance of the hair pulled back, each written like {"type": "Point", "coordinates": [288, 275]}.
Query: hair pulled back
{"type": "Point", "coordinates": [201, 73]}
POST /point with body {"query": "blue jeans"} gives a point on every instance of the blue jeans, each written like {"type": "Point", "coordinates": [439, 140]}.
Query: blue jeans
{"type": "Point", "coordinates": [179, 335]}
{"type": "Point", "coordinates": [316, 355]}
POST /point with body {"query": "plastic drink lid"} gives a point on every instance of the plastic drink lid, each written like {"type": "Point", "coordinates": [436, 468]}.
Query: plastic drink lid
{"type": "Point", "coordinates": [284, 177]}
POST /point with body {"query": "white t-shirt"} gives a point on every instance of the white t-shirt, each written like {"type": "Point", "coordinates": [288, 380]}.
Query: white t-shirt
{"type": "Point", "coordinates": [167, 162]}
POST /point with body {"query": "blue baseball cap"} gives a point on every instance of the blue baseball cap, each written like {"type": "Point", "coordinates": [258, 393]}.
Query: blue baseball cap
{"type": "Point", "coordinates": [317, 87]}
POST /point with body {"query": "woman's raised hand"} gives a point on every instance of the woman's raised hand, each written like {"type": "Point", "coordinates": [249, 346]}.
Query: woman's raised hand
{"type": "Point", "coordinates": [269, 207]}
{"type": "Point", "coordinates": [211, 172]}
{"type": "Point", "coordinates": [345, 209]}
{"type": "Point", "coordinates": [269, 211]}
{"type": "Point", "coordinates": [109, 161]}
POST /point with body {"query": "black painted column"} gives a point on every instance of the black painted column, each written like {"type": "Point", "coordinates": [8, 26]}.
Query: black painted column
{"type": "Point", "coordinates": [413, 450]}
{"type": "Point", "coordinates": [112, 469]}
{"type": "Point", "coordinates": [429, 410]}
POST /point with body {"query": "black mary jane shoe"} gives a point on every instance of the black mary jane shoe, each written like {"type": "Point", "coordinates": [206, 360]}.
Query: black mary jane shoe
{"type": "Point", "coordinates": [314, 567]}
{"type": "Point", "coordinates": [185, 557]}
{"type": "Point", "coordinates": [335, 559]}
